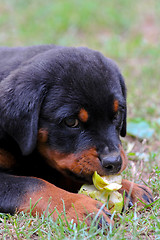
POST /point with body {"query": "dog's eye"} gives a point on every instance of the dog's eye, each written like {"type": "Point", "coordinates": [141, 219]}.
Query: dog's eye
{"type": "Point", "coordinates": [118, 117]}
{"type": "Point", "coordinates": [71, 122]}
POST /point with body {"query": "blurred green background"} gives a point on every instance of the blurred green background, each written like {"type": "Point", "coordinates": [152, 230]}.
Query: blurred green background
{"type": "Point", "coordinates": [125, 30]}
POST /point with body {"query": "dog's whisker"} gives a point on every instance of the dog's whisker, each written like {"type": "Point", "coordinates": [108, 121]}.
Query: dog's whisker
{"type": "Point", "coordinates": [81, 171]}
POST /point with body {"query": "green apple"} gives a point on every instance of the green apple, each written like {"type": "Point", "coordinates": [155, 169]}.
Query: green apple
{"type": "Point", "coordinates": [105, 190]}
{"type": "Point", "coordinates": [111, 182]}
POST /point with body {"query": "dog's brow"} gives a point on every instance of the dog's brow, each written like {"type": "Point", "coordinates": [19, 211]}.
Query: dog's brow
{"type": "Point", "coordinates": [83, 115]}
{"type": "Point", "coordinates": [115, 105]}
{"type": "Point", "coordinates": [65, 111]}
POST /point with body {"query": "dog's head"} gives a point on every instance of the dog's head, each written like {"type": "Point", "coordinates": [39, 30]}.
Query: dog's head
{"type": "Point", "coordinates": [74, 100]}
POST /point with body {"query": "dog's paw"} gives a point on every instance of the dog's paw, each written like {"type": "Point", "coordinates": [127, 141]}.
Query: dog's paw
{"type": "Point", "coordinates": [71, 206]}
{"type": "Point", "coordinates": [135, 193]}
{"type": "Point", "coordinates": [89, 209]}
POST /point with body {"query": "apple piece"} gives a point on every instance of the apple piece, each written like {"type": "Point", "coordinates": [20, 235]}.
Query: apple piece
{"type": "Point", "coordinates": [113, 198]}
{"type": "Point", "coordinates": [105, 190]}
{"type": "Point", "coordinates": [115, 202]}
{"type": "Point", "coordinates": [111, 182]}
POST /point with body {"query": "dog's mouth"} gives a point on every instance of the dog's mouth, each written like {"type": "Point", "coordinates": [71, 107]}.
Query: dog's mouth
{"type": "Point", "coordinates": [80, 166]}
{"type": "Point", "coordinates": [82, 179]}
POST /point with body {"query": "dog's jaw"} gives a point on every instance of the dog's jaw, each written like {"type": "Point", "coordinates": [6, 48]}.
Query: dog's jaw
{"type": "Point", "coordinates": [80, 166]}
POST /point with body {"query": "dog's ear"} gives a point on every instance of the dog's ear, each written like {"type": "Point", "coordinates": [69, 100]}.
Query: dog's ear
{"type": "Point", "coordinates": [21, 95]}
{"type": "Point", "coordinates": [124, 92]}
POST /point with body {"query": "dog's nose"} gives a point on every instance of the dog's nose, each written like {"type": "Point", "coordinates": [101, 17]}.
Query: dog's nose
{"type": "Point", "coordinates": [112, 162]}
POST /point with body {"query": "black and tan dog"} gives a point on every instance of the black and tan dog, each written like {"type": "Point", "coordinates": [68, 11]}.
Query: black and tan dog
{"type": "Point", "coordinates": [62, 111]}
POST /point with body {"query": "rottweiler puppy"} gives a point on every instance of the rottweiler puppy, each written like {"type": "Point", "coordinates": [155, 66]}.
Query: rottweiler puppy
{"type": "Point", "coordinates": [62, 112]}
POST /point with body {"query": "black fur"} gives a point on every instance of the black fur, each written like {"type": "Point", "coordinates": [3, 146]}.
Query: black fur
{"type": "Point", "coordinates": [12, 190]}
{"type": "Point", "coordinates": [42, 86]}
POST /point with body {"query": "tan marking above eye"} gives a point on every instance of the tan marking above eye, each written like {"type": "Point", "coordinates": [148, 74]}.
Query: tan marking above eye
{"type": "Point", "coordinates": [115, 105]}
{"type": "Point", "coordinates": [83, 115]}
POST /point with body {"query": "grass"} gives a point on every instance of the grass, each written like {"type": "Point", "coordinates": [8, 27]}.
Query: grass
{"type": "Point", "coordinates": [127, 31]}
{"type": "Point", "coordinates": [144, 224]}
